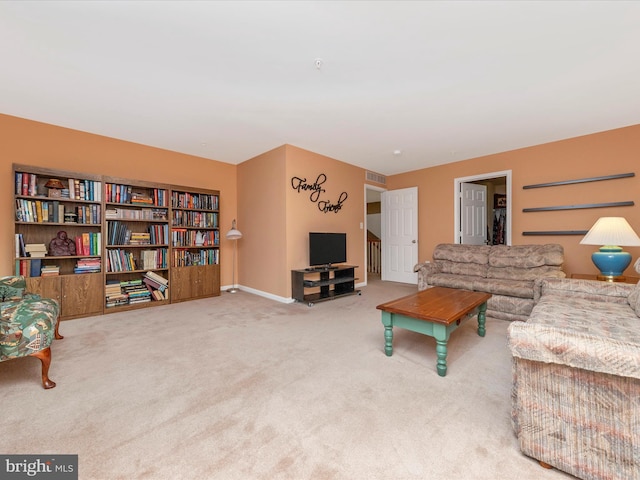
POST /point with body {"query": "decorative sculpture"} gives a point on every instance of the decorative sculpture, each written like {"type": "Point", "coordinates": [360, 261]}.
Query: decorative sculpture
{"type": "Point", "coordinates": [61, 245]}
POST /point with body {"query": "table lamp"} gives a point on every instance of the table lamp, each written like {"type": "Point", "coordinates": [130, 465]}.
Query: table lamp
{"type": "Point", "coordinates": [612, 233]}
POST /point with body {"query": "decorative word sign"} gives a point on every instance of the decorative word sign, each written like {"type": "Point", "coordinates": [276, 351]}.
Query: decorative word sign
{"type": "Point", "coordinates": [325, 206]}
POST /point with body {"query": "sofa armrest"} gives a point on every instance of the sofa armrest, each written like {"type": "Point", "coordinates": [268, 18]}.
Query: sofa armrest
{"type": "Point", "coordinates": [616, 292]}
{"type": "Point", "coordinates": [565, 346]}
{"type": "Point", "coordinates": [424, 270]}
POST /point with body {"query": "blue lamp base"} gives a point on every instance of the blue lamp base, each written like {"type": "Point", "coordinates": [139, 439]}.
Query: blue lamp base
{"type": "Point", "coordinates": [611, 261]}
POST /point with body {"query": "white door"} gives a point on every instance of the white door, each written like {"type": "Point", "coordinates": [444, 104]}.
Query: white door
{"type": "Point", "coordinates": [473, 218]}
{"type": "Point", "coordinates": [399, 226]}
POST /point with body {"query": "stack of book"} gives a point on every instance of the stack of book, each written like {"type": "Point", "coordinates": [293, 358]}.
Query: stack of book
{"type": "Point", "coordinates": [157, 285]}
{"type": "Point", "coordinates": [50, 271]}
{"type": "Point", "coordinates": [37, 250]}
{"type": "Point", "coordinates": [140, 238]}
{"type": "Point", "coordinates": [87, 265]}
{"type": "Point", "coordinates": [114, 295]}
{"type": "Point", "coordinates": [136, 290]}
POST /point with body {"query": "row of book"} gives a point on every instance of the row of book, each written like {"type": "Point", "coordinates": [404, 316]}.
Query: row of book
{"type": "Point", "coordinates": [151, 286]}
{"type": "Point", "coordinates": [151, 214]}
{"type": "Point", "coordinates": [118, 233]}
{"type": "Point", "coordinates": [195, 219]}
{"type": "Point", "coordinates": [52, 211]}
{"type": "Point", "coordinates": [87, 243]}
{"type": "Point", "coordinates": [181, 237]}
{"type": "Point", "coordinates": [194, 200]}
{"type": "Point", "coordinates": [35, 268]}
{"type": "Point", "coordinates": [154, 259]}
{"type": "Point", "coordinates": [187, 258]}
{"type": "Point", "coordinates": [28, 184]}
{"type": "Point", "coordinates": [126, 194]}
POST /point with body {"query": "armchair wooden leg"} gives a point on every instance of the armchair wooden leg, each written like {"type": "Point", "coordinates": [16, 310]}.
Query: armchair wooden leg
{"type": "Point", "coordinates": [45, 358]}
{"type": "Point", "coordinates": [544, 464]}
{"type": "Point", "coordinates": [58, 336]}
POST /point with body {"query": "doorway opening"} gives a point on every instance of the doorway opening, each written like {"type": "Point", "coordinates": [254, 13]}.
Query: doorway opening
{"type": "Point", "coordinates": [373, 232]}
{"type": "Point", "coordinates": [485, 222]}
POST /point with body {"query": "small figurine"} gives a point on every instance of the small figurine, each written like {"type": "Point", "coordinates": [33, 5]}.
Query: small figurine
{"type": "Point", "coordinates": [62, 245]}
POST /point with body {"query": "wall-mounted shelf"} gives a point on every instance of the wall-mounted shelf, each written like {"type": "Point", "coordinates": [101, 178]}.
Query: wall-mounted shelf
{"type": "Point", "coordinates": [582, 206]}
{"type": "Point", "coordinates": [557, 232]}
{"type": "Point", "coordinates": [580, 180]}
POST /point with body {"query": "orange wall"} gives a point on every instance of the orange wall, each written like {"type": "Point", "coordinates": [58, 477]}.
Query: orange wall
{"type": "Point", "coordinates": [262, 263]}
{"type": "Point", "coordinates": [33, 143]}
{"type": "Point", "coordinates": [605, 153]}
{"type": "Point", "coordinates": [304, 215]}
{"type": "Point", "coordinates": [276, 219]}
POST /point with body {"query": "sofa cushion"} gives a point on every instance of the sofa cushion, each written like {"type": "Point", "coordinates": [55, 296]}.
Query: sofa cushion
{"type": "Point", "coordinates": [512, 288]}
{"type": "Point", "coordinates": [531, 273]}
{"type": "Point", "coordinates": [462, 268]}
{"type": "Point", "coordinates": [450, 280]}
{"type": "Point", "coordinates": [526, 256]}
{"type": "Point", "coordinates": [585, 334]}
{"type": "Point", "coordinates": [462, 253]}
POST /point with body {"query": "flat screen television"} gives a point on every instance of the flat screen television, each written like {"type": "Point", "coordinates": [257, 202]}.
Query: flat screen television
{"type": "Point", "coordinates": [326, 249]}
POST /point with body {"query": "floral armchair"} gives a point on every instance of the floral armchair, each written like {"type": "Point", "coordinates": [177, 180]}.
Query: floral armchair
{"type": "Point", "coordinates": [28, 324]}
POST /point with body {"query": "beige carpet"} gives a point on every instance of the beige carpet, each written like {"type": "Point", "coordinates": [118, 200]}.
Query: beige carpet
{"type": "Point", "coordinates": [242, 387]}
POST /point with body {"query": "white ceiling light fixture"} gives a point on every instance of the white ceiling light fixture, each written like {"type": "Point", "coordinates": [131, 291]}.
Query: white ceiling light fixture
{"type": "Point", "coordinates": [318, 63]}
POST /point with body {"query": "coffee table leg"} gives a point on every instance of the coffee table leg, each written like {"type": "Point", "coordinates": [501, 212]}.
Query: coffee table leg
{"type": "Point", "coordinates": [481, 319]}
{"type": "Point", "coordinates": [388, 333]}
{"type": "Point", "coordinates": [441, 336]}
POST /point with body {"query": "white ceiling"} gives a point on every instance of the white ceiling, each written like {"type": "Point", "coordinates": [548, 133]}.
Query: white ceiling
{"type": "Point", "coordinates": [440, 81]}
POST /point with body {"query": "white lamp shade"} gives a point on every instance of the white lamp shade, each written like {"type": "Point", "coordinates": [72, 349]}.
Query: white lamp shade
{"type": "Point", "coordinates": [611, 231]}
{"type": "Point", "coordinates": [234, 234]}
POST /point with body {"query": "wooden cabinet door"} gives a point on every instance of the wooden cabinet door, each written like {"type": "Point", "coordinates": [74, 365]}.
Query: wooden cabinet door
{"type": "Point", "coordinates": [82, 295]}
{"type": "Point", "coordinates": [181, 284]}
{"type": "Point", "coordinates": [46, 287]}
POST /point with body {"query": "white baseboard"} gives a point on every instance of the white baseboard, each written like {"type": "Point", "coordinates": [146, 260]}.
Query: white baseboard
{"type": "Point", "coordinates": [270, 296]}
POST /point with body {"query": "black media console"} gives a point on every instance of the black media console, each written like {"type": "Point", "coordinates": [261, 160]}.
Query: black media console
{"type": "Point", "coordinates": [312, 285]}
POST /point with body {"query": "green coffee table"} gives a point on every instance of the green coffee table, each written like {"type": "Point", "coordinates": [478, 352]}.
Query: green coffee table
{"type": "Point", "coordinates": [436, 312]}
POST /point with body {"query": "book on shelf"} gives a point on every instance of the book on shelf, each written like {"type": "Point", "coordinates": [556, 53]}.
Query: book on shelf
{"type": "Point", "coordinates": [37, 250]}
{"type": "Point", "coordinates": [20, 247]}
{"type": "Point", "coordinates": [35, 267]}
{"type": "Point", "coordinates": [87, 265]}
{"type": "Point", "coordinates": [50, 271]}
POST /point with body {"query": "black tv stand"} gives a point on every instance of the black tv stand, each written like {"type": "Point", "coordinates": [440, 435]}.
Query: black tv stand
{"type": "Point", "coordinates": [322, 268]}
{"type": "Point", "coordinates": [333, 281]}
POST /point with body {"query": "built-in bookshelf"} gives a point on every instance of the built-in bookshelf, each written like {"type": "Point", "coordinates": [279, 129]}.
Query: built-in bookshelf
{"type": "Point", "coordinates": [195, 243]}
{"type": "Point", "coordinates": [136, 242]}
{"type": "Point", "coordinates": [126, 244]}
{"type": "Point", "coordinates": [58, 232]}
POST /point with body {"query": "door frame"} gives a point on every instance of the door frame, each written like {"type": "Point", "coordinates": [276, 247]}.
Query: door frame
{"type": "Point", "coordinates": [366, 228]}
{"type": "Point", "coordinates": [474, 178]}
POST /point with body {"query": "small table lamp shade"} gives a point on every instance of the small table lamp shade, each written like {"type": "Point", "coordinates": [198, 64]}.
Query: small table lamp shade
{"type": "Point", "coordinates": [612, 233]}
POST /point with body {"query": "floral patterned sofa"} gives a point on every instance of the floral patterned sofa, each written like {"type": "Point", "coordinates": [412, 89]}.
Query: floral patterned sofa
{"type": "Point", "coordinates": [576, 378]}
{"type": "Point", "coordinates": [28, 324]}
{"type": "Point", "coordinates": [509, 273]}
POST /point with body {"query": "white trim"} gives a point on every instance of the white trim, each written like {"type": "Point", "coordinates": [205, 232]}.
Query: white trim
{"type": "Point", "coordinates": [474, 178]}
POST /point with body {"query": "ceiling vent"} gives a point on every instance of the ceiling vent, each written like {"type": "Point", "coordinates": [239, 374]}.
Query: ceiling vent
{"type": "Point", "coordinates": [376, 177]}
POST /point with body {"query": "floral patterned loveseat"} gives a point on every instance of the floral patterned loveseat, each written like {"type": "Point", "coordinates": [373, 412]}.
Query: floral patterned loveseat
{"type": "Point", "coordinates": [509, 273]}
{"type": "Point", "coordinates": [28, 324]}
{"type": "Point", "coordinates": [576, 378]}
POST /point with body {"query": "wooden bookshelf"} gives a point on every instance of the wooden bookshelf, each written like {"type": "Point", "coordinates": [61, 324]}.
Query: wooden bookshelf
{"type": "Point", "coordinates": [195, 243]}
{"type": "Point", "coordinates": [136, 234]}
{"type": "Point", "coordinates": [125, 232]}
{"type": "Point", "coordinates": [40, 214]}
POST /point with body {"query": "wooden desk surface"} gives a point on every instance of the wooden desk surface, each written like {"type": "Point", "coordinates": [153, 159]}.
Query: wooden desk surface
{"type": "Point", "coordinates": [437, 304]}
